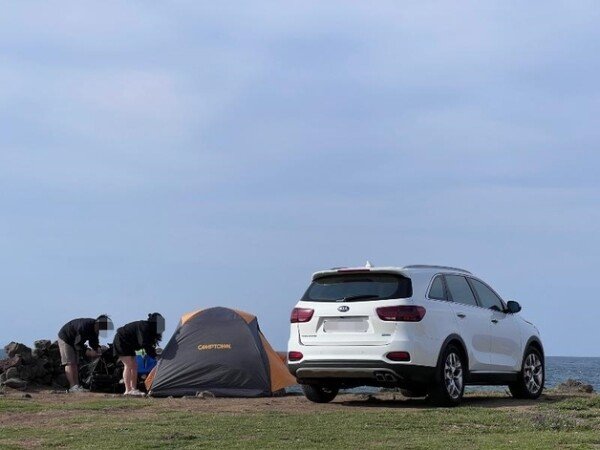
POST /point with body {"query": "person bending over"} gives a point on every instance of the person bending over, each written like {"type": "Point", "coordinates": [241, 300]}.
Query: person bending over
{"type": "Point", "coordinates": [71, 342]}
{"type": "Point", "coordinates": [143, 334]}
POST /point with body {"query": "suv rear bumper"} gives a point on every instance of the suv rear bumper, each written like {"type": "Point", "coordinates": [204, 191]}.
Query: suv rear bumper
{"type": "Point", "coordinates": [361, 373]}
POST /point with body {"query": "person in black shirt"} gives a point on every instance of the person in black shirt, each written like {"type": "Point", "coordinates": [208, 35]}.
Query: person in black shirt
{"type": "Point", "coordinates": [71, 343]}
{"type": "Point", "coordinates": [143, 334]}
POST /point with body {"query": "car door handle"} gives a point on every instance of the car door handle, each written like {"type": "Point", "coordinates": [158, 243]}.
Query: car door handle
{"type": "Point", "coordinates": [494, 320]}
{"type": "Point", "coordinates": [461, 315]}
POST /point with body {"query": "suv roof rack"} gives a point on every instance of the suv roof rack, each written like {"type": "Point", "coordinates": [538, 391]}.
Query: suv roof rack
{"type": "Point", "coordinates": [427, 266]}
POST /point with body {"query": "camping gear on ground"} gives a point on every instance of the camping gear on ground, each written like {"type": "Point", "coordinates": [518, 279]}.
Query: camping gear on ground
{"type": "Point", "coordinates": [105, 374]}
{"type": "Point", "coordinates": [222, 351]}
{"type": "Point", "coordinates": [102, 374]}
{"type": "Point", "coordinates": [145, 364]}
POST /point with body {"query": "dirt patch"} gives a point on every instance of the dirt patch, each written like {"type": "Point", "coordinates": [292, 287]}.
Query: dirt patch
{"type": "Point", "coordinates": [25, 443]}
{"type": "Point", "coordinates": [55, 418]}
{"type": "Point", "coordinates": [288, 404]}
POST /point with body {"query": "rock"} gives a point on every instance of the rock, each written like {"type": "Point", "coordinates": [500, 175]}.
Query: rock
{"type": "Point", "coordinates": [41, 366]}
{"type": "Point", "coordinates": [205, 394]}
{"type": "Point", "coordinates": [15, 361]}
{"type": "Point", "coordinates": [60, 381]}
{"type": "Point", "coordinates": [575, 386]}
{"type": "Point", "coordinates": [54, 351]}
{"type": "Point", "coordinates": [42, 344]}
{"type": "Point", "coordinates": [40, 369]}
{"type": "Point", "coordinates": [27, 373]}
{"type": "Point", "coordinates": [15, 348]}
{"type": "Point", "coordinates": [11, 372]}
{"type": "Point", "coordinates": [16, 383]}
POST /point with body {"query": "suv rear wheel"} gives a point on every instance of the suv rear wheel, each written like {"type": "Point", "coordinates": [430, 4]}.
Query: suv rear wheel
{"type": "Point", "coordinates": [530, 382]}
{"type": "Point", "coordinates": [449, 383]}
{"type": "Point", "coordinates": [319, 394]}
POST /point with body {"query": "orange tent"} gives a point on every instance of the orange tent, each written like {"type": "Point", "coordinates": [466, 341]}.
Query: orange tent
{"type": "Point", "coordinates": [219, 350]}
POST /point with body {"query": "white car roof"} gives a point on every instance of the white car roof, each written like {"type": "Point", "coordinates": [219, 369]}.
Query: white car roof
{"type": "Point", "coordinates": [416, 269]}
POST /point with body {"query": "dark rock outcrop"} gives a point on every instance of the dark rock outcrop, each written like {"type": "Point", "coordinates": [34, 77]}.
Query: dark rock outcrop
{"type": "Point", "coordinates": [575, 386]}
{"type": "Point", "coordinates": [25, 367]}
{"type": "Point", "coordinates": [15, 348]}
{"type": "Point", "coordinates": [16, 383]}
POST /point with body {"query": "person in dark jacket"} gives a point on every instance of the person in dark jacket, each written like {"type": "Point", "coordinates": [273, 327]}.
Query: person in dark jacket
{"type": "Point", "coordinates": [140, 335]}
{"type": "Point", "coordinates": [71, 342]}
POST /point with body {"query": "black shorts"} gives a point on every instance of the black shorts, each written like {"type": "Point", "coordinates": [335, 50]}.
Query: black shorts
{"type": "Point", "coordinates": [122, 348]}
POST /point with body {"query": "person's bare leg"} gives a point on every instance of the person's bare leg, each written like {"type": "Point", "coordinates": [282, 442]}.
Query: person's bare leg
{"type": "Point", "coordinates": [126, 360]}
{"type": "Point", "coordinates": [72, 373]}
{"type": "Point", "coordinates": [133, 374]}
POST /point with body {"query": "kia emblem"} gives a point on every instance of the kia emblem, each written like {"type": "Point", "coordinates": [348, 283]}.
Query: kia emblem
{"type": "Point", "coordinates": [343, 308]}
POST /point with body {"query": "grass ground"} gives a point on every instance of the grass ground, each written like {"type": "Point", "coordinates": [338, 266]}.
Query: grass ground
{"type": "Point", "coordinates": [352, 421]}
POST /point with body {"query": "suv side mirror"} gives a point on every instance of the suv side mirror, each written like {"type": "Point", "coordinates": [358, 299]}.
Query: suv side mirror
{"type": "Point", "coordinates": [513, 307]}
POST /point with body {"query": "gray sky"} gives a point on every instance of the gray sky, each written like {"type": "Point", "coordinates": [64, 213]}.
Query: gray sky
{"type": "Point", "coordinates": [166, 158]}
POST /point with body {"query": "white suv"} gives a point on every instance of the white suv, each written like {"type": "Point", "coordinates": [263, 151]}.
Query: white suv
{"type": "Point", "coordinates": [428, 330]}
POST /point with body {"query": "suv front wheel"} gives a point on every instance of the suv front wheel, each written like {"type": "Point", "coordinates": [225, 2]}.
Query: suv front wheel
{"type": "Point", "coordinates": [449, 383]}
{"type": "Point", "coordinates": [319, 394]}
{"type": "Point", "coordinates": [530, 382]}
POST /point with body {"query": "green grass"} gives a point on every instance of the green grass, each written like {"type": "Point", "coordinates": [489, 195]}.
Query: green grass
{"type": "Point", "coordinates": [131, 423]}
{"type": "Point", "coordinates": [23, 405]}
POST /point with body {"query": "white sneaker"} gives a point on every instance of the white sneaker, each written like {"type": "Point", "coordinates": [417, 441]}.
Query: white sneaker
{"type": "Point", "coordinates": [134, 393]}
{"type": "Point", "coordinates": [137, 393]}
{"type": "Point", "coordinates": [77, 390]}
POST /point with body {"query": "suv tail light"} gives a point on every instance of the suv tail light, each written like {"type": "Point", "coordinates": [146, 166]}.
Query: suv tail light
{"type": "Point", "coordinates": [398, 356]}
{"type": "Point", "coordinates": [295, 356]}
{"type": "Point", "coordinates": [301, 315]}
{"type": "Point", "coordinates": [403, 313]}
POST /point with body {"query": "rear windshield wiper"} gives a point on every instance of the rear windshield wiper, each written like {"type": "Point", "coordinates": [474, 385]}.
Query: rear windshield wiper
{"type": "Point", "coordinates": [353, 298]}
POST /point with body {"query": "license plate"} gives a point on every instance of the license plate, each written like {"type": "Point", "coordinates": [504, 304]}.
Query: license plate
{"type": "Point", "coordinates": [345, 326]}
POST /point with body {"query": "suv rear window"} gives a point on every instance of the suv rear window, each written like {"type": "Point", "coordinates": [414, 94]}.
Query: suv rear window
{"type": "Point", "coordinates": [358, 287]}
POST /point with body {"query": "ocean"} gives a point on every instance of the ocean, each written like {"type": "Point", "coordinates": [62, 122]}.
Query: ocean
{"type": "Point", "coordinates": [558, 369]}
{"type": "Point", "coordinates": [561, 368]}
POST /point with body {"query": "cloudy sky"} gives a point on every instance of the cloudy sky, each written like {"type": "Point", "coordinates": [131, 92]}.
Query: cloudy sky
{"type": "Point", "coordinates": [168, 157]}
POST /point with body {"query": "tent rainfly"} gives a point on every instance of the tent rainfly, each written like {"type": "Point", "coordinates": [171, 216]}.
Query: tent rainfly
{"type": "Point", "coordinates": [222, 351]}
